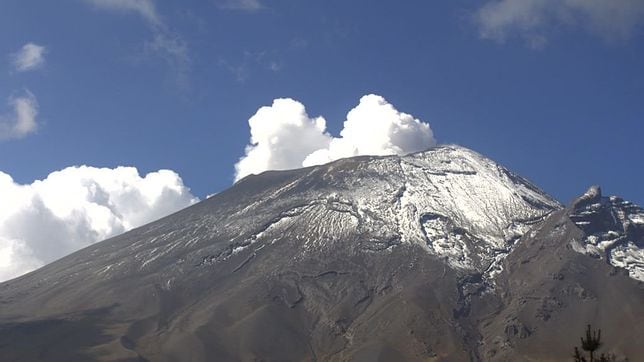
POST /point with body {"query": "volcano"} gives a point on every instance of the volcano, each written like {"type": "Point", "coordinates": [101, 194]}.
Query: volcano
{"type": "Point", "coordinates": [441, 255]}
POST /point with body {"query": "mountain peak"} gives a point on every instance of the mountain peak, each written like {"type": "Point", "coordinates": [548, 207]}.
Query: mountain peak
{"type": "Point", "coordinates": [591, 196]}
{"type": "Point", "coordinates": [365, 258]}
{"type": "Point", "coordinates": [449, 200]}
{"type": "Point", "coordinates": [613, 230]}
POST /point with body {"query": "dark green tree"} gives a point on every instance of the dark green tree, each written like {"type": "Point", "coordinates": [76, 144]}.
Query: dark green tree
{"type": "Point", "coordinates": [590, 344]}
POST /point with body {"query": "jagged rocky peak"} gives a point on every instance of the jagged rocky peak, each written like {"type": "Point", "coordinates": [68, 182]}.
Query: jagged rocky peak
{"type": "Point", "coordinates": [613, 230]}
{"type": "Point", "coordinates": [592, 196]}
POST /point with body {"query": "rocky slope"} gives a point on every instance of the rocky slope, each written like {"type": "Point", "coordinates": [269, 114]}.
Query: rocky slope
{"type": "Point", "coordinates": [613, 231]}
{"type": "Point", "coordinates": [556, 278]}
{"type": "Point", "coordinates": [439, 255]}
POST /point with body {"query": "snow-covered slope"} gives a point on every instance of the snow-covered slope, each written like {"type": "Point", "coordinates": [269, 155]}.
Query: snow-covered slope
{"type": "Point", "coordinates": [465, 207]}
{"type": "Point", "coordinates": [455, 203]}
{"type": "Point", "coordinates": [614, 230]}
{"type": "Point", "coordinates": [452, 201]}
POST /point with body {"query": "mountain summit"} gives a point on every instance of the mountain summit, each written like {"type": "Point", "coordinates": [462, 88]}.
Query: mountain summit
{"type": "Point", "coordinates": [437, 255]}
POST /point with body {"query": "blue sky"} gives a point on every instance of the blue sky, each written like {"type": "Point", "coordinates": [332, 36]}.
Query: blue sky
{"type": "Point", "coordinates": [554, 90]}
{"type": "Point", "coordinates": [565, 110]}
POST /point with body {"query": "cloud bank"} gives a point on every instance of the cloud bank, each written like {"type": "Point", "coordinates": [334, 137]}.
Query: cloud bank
{"type": "Point", "coordinates": [78, 206]}
{"type": "Point", "coordinates": [31, 56]}
{"type": "Point", "coordinates": [21, 121]}
{"type": "Point", "coordinates": [284, 136]}
{"type": "Point", "coordinates": [535, 20]}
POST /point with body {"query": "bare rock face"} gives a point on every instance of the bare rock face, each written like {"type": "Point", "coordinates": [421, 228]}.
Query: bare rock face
{"type": "Point", "coordinates": [438, 255]}
{"type": "Point", "coordinates": [613, 230]}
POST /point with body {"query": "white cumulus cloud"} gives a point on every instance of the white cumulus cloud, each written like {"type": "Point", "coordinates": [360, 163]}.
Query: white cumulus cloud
{"type": "Point", "coordinates": [284, 136]}
{"type": "Point", "coordinates": [78, 206]}
{"type": "Point", "coordinates": [21, 120]}
{"type": "Point", "coordinates": [31, 56]}
{"type": "Point", "coordinates": [535, 20]}
{"type": "Point", "coordinates": [281, 136]}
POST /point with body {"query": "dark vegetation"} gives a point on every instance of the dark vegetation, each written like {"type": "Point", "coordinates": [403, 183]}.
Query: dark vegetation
{"type": "Point", "coordinates": [591, 343]}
